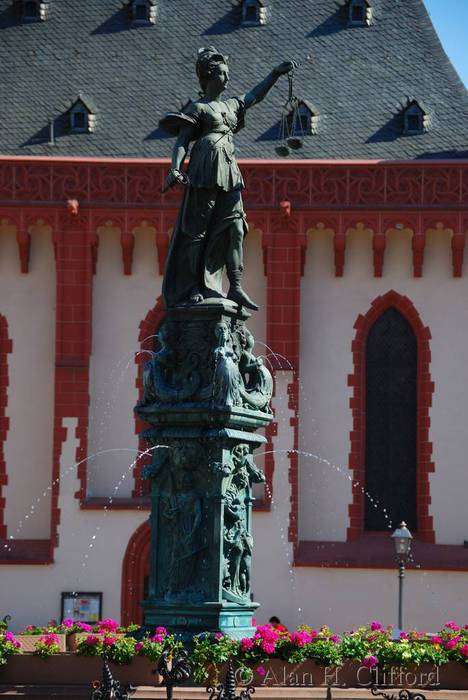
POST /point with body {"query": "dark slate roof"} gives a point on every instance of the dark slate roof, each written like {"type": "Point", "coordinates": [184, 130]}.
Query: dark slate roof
{"type": "Point", "coordinates": [359, 78]}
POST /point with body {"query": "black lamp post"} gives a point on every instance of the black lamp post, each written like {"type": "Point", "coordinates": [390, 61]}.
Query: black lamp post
{"type": "Point", "coordinates": [402, 540]}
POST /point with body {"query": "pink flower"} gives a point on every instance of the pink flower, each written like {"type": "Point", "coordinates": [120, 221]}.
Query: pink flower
{"type": "Point", "coordinates": [335, 639]}
{"type": "Point", "coordinates": [268, 647]}
{"type": "Point", "coordinates": [91, 639]}
{"type": "Point", "coordinates": [370, 661]}
{"type": "Point", "coordinates": [218, 636]}
{"type": "Point", "coordinates": [436, 640]}
{"type": "Point", "coordinates": [300, 638]}
{"type": "Point", "coordinates": [451, 644]}
{"type": "Point", "coordinates": [266, 633]}
{"type": "Point", "coordinates": [138, 647]}
{"type": "Point", "coordinates": [84, 627]}
{"type": "Point", "coordinates": [109, 641]}
{"type": "Point", "coordinates": [261, 670]}
{"type": "Point", "coordinates": [464, 650]}
{"type": "Point", "coordinates": [49, 639]}
{"type": "Point", "coordinates": [10, 637]}
{"type": "Point", "coordinates": [452, 625]}
{"type": "Point", "coordinates": [68, 622]}
{"type": "Point", "coordinates": [157, 638]}
{"type": "Point", "coordinates": [108, 625]}
{"type": "Point", "coordinates": [404, 635]}
{"type": "Point", "coordinates": [161, 630]}
{"type": "Point", "coordinates": [376, 626]}
{"type": "Point", "coordinates": [246, 644]}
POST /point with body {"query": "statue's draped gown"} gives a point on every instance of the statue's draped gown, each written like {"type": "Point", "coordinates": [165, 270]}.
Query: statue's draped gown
{"type": "Point", "coordinates": [212, 200]}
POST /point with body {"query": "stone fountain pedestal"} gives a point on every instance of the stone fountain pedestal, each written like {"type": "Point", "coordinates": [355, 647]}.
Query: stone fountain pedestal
{"type": "Point", "coordinates": [205, 395]}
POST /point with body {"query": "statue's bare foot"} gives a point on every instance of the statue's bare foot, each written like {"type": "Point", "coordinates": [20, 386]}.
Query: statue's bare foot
{"type": "Point", "coordinates": [240, 297]}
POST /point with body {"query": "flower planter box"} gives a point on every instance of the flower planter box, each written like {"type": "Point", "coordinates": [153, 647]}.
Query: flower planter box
{"type": "Point", "coordinates": [278, 673]}
{"type": "Point", "coordinates": [28, 641]}
{"type": "Point", "coordinates": [76, 637]}
{"type": "Point", "coordinates": [73, 669]}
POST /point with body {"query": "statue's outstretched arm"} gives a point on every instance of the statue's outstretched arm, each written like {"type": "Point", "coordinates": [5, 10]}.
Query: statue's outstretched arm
{"type": "Point", "coordinates": [257, 93]}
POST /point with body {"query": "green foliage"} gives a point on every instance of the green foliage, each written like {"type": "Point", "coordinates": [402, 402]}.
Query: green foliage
{"type": "Point", "coordinates": [209, 651]}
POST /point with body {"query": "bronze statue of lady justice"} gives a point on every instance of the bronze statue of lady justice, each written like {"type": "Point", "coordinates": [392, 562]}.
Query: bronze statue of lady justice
{"type": "Point", "coordinates": [211, 225]}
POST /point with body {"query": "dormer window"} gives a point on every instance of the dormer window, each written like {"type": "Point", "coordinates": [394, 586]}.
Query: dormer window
{"type": "Point", "coordinates": [415, 119]}
{"type": "Point", "coordinates": [253, 13]}
{"type": "Point", "coordinates": [303, 119]}
{"type": "Point", "coordinates": [82, 116]}
{"type": "Point", "coordinates": [359, 13]}
{"type": "Point", "coordinates": [143, 12]}
{"type": "Point", "coordinates": [34, 10]}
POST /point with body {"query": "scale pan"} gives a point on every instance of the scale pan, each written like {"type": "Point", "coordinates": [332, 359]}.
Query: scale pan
{"type": "Point", "coordinates": [294, 142]}
{"type": "Point", "coordinates": [282, 151]}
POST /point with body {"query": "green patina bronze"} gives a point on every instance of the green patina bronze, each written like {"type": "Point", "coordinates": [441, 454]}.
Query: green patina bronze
{"type": "Point", "coordinates": [205, 392]}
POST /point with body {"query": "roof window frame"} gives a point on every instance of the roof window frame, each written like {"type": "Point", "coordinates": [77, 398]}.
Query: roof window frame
{"type": "Point", "coordinates": [260, 9]}
{"type": "Point", "coordinates": [412, 110]}
{"type": "Point", "coordinates": [41, 11]}
{"type": "Point", "coordinates": [365, 20]}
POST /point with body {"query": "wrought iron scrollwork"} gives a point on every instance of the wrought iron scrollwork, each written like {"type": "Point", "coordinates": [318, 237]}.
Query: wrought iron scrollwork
{"type": "Point", "coordinates": [174, 669]}
{"type": "Point", "coordinates": [108, 688]}
{"type": "Point", "coordinates": [227, 690]}
{"type": "Point", "coordinates": [402, 695]}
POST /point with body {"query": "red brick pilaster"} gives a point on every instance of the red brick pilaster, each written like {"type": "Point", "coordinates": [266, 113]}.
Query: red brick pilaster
{"type": "Point", "coordinates": [5, 348]}
{"type": "Point", "coordinates": [284, 251]}
{"type": "Point", "coordinates": [75, 246]}
{"type": "Point", "coordinates": [425, 389]}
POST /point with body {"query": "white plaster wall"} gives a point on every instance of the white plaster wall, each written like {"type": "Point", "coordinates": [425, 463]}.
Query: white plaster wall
{"type": "Point", "coordinates": [341, 599]}
{"type": "Point", "coordinates": [330, 307]}
{"type": "Point", "coordinates": [317, 596]}
{"type": "Point", "coordinates": [28, 303]}
{"type": "Point", "coordinates": [32, 594]}
{"type": "Point", "coordinates": [120, 303]}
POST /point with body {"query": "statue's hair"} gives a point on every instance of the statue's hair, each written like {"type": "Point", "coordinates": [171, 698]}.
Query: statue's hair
{"type": "Point", "coordinates": [208, 59]}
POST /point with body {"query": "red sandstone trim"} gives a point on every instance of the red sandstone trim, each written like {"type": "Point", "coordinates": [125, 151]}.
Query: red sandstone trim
{"type": "Point", "coordinates": [6, 346]}
{"type": "Point", "coordinates": [425, 389]}
{"type": "Point", "coordinates": [15, 552]}
{"type": "Point", "coordinates": [75, 252]}
{"type": "Point", "coordinates": [148, 329]}
{"type": "Point", "coordinates": [135, 567]}
{"type": "Point", "coordinates": [375, 551]}
{"type": "Point", "coordinates": [133, 503]}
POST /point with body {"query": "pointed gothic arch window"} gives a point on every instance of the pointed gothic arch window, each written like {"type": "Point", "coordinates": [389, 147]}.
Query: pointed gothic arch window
{"type": "Point", "coordinates": [391, 422]}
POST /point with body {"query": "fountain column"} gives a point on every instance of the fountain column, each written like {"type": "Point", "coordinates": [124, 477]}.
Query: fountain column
{"type": "Point", "coordinates": [205, 396]}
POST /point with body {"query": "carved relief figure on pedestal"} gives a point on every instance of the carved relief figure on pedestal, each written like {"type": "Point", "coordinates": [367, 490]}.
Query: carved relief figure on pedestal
{"type": "Point", "coordinates": [227, 379]}
{"type": "Point", "coordinates": [183, 509]}
{"type": "Point", "coordinates": [238, 541]}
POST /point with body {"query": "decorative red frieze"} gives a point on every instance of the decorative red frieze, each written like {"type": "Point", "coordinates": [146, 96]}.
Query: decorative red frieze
{"type": "Point", "coordinates": [425, 389]}
{"type": "Point", "coordinates": [135, 569]}
{"type": "Point", "coordinates": [305, 183]}
{"type": "Point", "coordinates": [6, 347]}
